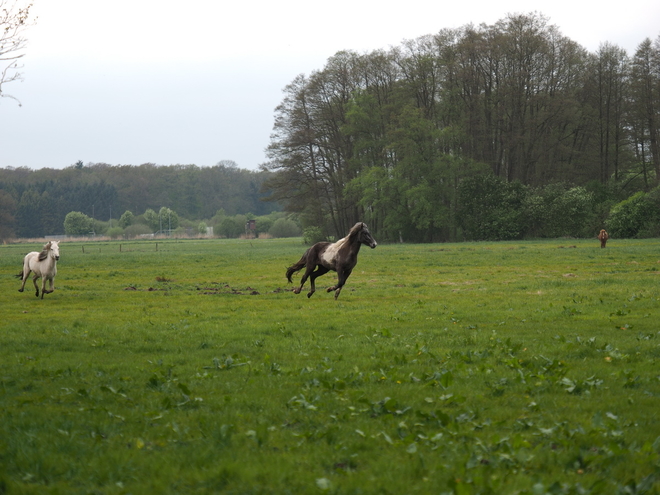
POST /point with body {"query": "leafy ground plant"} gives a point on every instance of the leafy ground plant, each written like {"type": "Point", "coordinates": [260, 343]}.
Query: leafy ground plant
{"type": "Point", "coordinates": [191, 367]}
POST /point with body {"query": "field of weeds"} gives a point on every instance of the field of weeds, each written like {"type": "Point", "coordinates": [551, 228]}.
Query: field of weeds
{"type": "Point", "coordinates": [189, 366]}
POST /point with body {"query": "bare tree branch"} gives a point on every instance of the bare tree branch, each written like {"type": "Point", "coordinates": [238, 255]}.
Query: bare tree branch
{"type": "Point", "coordinates": [14, 21]}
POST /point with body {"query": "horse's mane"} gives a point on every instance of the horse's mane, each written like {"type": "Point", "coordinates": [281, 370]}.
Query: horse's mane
{"type": "Point", "coordinates": [44, 252]}
{"type": "Point", "coordinates": [355, 229]}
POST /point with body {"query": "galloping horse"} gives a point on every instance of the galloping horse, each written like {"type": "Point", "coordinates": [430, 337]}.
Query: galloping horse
{"type": "Point", "coordinates": [603, 237]}
{"type": "Point", "coordinates": [340, 256]}
{"type": "Point", "coordinates": [44, 265]}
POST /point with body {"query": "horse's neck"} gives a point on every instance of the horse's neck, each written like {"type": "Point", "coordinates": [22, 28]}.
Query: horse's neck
{"type": "Point", "coordinates": [355, 246]}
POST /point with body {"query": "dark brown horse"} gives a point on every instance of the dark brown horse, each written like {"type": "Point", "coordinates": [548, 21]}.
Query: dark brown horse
{"type": "Point", "coordinates": [603, 237]}
{"type": "Point", "coordinates": [340, 256]}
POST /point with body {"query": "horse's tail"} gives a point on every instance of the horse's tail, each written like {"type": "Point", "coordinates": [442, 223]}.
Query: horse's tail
{"type": "Point", "coordinates": [20, 275]}
{"type": "Point", "coordinates": [297, 267]}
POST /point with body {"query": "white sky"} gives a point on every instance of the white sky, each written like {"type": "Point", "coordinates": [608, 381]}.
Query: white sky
{"type": "Point", "coordinates": [197, 81]}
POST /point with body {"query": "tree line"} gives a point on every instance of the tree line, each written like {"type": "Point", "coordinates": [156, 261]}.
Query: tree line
{"type": "Point", "coordinates": [35, 203]}
{"type": "Point", "coordinates": [481, 132]}
{"type": "Point", "coordinates": [500, 131]}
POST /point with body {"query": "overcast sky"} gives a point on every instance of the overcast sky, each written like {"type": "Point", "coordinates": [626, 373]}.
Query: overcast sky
{"type": "Point", "coordinates": [197, 81]}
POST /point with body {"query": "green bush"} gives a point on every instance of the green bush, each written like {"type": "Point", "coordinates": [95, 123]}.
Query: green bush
{"type": "Point", "coordinates": [283, 227]}
{"type": "Point", "coordinates": [151, 219]}
{"type": "Point", "coordinates": [637, 216]}
{"type": "Point", "coordinates": [167, 219]}
{"type": "Point", "coordinates": [115, 232]}
{"type": "Point", "coordinates": [312, 235]}
{"type": "Point", "coordinates": [490, 208]}
{"type": "Point", "coordinates": [126, 219]}
{"type": "Point", "coordinates": [77, 223]}
{"type": "Point", "coordinates": [555, 211]}
{"type": "Point", "coordinates": [652, 227]}
{"type": "Point", "coordinates": [230, 228]}
{"type": "Point", "coordinates": [264, 224]}
{"type": "Point", "coordinates": [136, 230]}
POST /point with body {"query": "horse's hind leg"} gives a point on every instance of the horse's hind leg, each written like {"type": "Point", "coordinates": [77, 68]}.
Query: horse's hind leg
{"type": "Point", "coordinates": [307, 273]}
{"type": "Point", "coordinates": [24, 277]}
{"type": "Point", "coordinates": [321, 270]}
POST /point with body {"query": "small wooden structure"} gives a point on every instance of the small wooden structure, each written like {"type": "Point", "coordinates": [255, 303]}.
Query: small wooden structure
{"type": "Point", "coordinates": [250, 229]}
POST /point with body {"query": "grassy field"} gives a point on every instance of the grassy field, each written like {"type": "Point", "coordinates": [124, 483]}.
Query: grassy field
{"type": "Point", "coordinates": [191, 367]}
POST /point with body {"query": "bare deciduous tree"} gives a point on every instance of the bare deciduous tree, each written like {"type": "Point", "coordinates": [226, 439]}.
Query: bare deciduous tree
{"type": "Point", "coordinates": [14, 20]}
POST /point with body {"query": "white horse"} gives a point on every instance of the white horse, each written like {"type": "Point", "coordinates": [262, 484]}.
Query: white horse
{"type": "Point", "coordinates": [44, 265]}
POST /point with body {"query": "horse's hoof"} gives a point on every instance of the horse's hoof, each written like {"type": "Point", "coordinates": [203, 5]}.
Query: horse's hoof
{"type": "Point", "coordinates": [20, 290]}
{"type": "Point", "coordinates": [309, 294]}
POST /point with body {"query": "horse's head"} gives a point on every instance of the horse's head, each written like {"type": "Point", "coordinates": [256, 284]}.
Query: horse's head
{"type": "Point", "coordinates": [54, 249]}
{"type": "Point", "coordinates": [365, 236]}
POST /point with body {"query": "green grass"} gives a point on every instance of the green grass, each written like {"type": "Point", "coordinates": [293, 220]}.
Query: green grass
{"type": "Point", "coordinates": [190, 367]}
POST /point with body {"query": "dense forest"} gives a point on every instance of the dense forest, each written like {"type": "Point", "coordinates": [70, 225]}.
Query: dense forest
{"type": "Point", "coordinates": [499, 131]}
{"type": "Point", "coordinates": [488, 132]}
{"type": "Point", "coordinates": [34, 203]}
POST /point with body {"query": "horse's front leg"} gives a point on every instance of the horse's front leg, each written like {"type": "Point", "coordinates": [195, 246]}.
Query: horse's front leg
{"type": "Point", "coordinates": [342, 276]}
{"type": "Point", "coordinates": [36, 287]}
{"type": "Point", "coordinates": [44, 281]}
{"type": "Point", "coordinates": [52, 286]}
